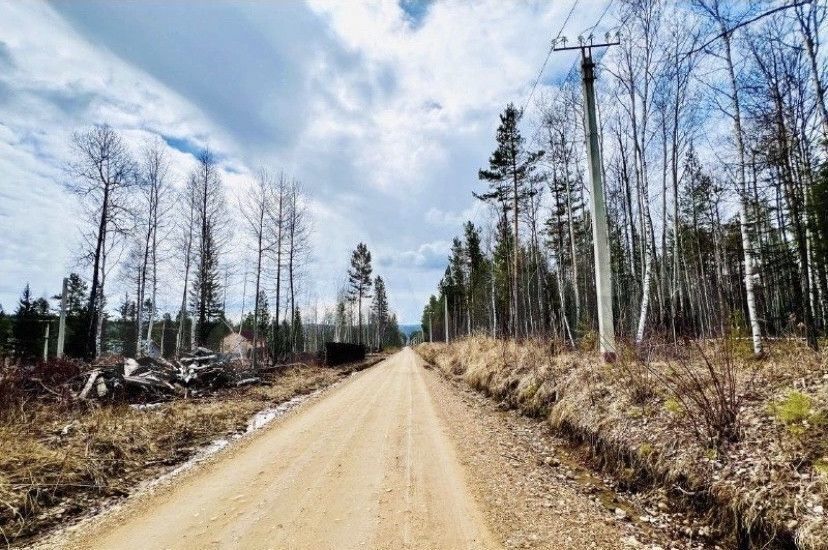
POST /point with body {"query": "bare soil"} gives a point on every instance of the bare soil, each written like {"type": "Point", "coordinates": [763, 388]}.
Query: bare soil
{"type": "Point", "coordinates": [63, 460]}
{"type": "Point", "coordinates": [397, 456]}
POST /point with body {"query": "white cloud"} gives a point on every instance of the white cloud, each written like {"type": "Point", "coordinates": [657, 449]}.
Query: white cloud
{"type": "Point", "coordinates": [385, 122]}
{"type": "Point", "coordinates": [427, 256]}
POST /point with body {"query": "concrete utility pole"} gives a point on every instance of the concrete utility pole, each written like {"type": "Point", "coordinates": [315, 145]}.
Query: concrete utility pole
{"type": "Point", "coordinates": [46, 343]}
{"type": "Point", "coordinates": [598, 209]}
{"type": "Point", "coordinates": [61, 339]}
{"type": "Point", "coordinates": [430, 324]}
{"type": "Point", "coordinates": [163, 336]}
{"type": "Point", "coordinates": [445, 302]}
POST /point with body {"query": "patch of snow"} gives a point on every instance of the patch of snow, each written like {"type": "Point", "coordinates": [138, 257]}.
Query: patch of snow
{"type": "Point", "coordinates": [264, 417]}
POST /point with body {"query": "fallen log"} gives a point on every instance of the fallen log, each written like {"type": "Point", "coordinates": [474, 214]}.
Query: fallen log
{"type": "Point", "coordinates": [90, 383]}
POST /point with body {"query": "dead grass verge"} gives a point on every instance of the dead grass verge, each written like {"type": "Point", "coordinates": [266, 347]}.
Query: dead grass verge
{"type": "Point", "coordinates": [744, 441]}
{"type": "Point", "coordinates": [62, 458]}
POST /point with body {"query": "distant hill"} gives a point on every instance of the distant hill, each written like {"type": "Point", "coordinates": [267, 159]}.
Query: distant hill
{"type": "Point", "coordinates": [408, 330]}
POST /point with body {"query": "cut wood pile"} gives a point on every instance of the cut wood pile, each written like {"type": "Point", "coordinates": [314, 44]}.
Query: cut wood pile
{"type": "Point", "coordinates": [154, 377]}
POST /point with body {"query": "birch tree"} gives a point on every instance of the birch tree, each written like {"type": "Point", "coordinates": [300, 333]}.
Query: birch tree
{"type": "Point", "coordinates": [256, 209]}
{"type": "Point", "coordinates": [722, 20]}
{"type": "Point", "coordinates": [153, 179]}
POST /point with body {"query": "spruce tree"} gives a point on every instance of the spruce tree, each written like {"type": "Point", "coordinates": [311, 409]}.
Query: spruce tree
{"type": "Point", "coordinates": [205, 296]}
{"type": "Point", "coordinates": [27, 330]}
{"type": "Point", "coordinates": [379, 308]}
{"type": "Point", "coordinates": [297, 331]}
{"type": "Point", "coordinates": [5, 333]}
{"type": "Point", "coordinates": [212, 233]}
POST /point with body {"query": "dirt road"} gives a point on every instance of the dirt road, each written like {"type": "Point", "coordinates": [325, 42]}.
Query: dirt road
{"type": "Point", "coordinates": [370, 465]}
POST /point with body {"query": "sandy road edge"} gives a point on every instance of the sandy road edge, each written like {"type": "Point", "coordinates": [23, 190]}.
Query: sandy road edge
{"type": "Point", "coordinates": [116, 508]}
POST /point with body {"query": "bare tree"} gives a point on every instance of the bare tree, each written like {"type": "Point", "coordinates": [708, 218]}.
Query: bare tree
{"type": "Point", "coordinates": [151, 210]}
{"type": "Point", "coordinates": [298, 245]}
{"type": "Point", "coordinates": [102, 176]}
{"type": "Point", "coordinates": [187, 206]}
{"type": "Point", "coordinates": [256, 209]}
{"type": "Point", "coordinates": [713, 9]}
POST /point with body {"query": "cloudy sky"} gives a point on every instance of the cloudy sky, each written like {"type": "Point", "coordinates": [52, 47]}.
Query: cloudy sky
{"type": "Point", "coordinates": [384, 110]}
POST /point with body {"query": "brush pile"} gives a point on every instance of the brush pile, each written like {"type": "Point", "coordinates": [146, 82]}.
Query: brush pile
{"type": "Point", "coordinates": [156, 378]}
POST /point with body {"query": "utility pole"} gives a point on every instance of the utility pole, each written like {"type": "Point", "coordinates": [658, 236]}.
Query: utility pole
{"type": "Point", "coordinates": [445, 302]}
{"type": "Point", "coordinates": [598, 209]}
{"type": "Point", "coordinates": [163, 336]}
{"type": "Point", "coordinates": [46, 343]}
{"type": "Point", "coordinates": [430, 324]}
{"type": "Point", "coordinates": [61, 339]}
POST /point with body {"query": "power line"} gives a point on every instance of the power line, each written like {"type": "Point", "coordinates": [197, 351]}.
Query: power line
{"type": "Point", "coordinates": [589, 30]}
{"type": "Point", "coordinates": [572, 67]}
{"type": "Point", "coordinates": [549, 53]}
{"type": "Point", "coordinates": [601, 18]}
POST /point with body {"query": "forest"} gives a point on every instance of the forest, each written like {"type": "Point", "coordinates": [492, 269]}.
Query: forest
{"type": "Point", "coordinates": [712, 124]}
{"type": "Point", "coordinates": [148, 234]}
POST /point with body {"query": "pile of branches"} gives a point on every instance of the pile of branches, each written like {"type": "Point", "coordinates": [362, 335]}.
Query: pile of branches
{"type": "Point", "coordinates": [154, 377]}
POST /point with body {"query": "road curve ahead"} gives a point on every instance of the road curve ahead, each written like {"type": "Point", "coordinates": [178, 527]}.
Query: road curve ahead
{"type": "Point", "coordinates": [369, 465]}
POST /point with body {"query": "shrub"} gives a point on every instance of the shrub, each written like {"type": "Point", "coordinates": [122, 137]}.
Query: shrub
{"type": "Point", "coordinates": [705, 388]}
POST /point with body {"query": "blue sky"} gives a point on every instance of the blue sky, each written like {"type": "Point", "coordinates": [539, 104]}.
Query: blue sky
{"type": "Point", "coordinates": [383, 110]}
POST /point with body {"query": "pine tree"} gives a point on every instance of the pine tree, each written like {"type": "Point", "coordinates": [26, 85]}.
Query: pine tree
{"type": "Point", "coordinates": [263, 316]}
{"type": "Point", "coordinates": [477, 287]}
{"type": "Point", "coordinates": [297, 331]}
{"type": "Point", "coordinates": [393, 336]}
{"type": "Point", "coordinates": [359, 281]}
{"type": "Point", "coordinates": [511, 167]}
{"type": "Point", "coordinates": [77, 313]}
{"type": "Point", "coordinates": [126, 326]}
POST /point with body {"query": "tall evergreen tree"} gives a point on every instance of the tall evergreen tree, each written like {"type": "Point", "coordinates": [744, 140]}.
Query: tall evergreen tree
{"type": "Point", "coordinates": [27, 329]}
{"type": "Point", "coordinates": [212, 233]}
{"type": "Point", "coordinates": [5, 333]}
{"type": "Point", "coordinates": [511, 166]}
{"type": "Point", "coordinates": [76, 315]}
{"type": "Point", "coordinates": [379, 307]}
{"type": "Point", "coordinates": [206, 291]}
{"type": "Point", "coordinates": [297, 331]}
{"type": "Point", "coordinates": [263, 315]}
{"type": "Point", "coordinates": [359, 281]}
{"type": "Point", "coordinates": [392, 337]}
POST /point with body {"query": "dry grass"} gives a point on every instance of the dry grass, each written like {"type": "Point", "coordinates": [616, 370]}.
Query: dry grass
{"type": "Point", "coordinates": [748, 438]}
{"type": "Point", "coordinates": [61, 459]}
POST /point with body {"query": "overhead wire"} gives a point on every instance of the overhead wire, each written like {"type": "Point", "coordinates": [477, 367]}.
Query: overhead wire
{"type": "Point", "coordinates": [549, 54]}
{"type": "Point", "coordinates": [572, 67]}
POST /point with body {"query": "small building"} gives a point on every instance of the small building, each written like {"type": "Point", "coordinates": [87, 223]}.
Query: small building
{"type": "Point", "coordinates": [240, 343]}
